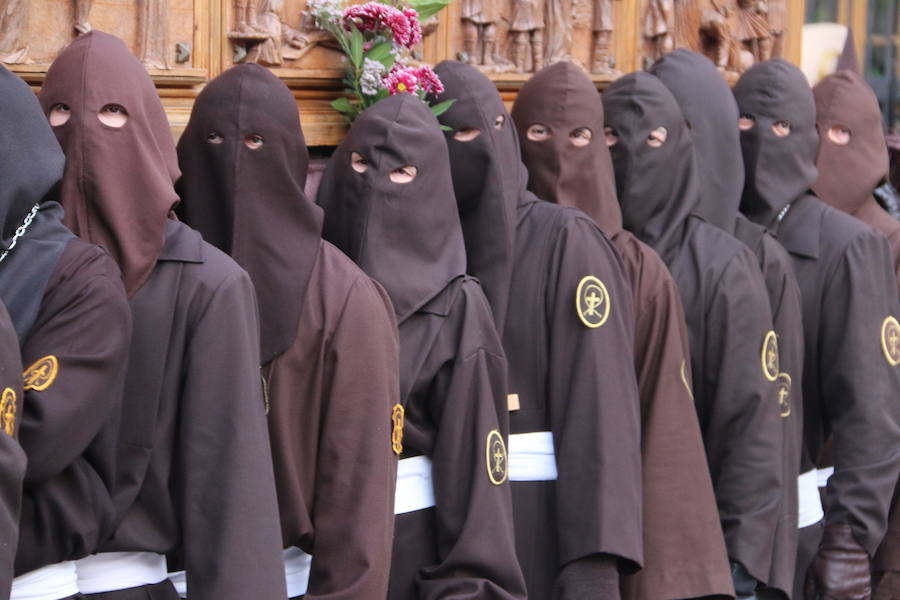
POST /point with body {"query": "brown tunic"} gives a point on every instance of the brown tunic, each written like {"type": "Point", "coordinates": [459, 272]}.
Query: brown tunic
{"type": "Point", "coordinates": [12, 458]}
{"type": "Point", "coordinates": [684, 551]}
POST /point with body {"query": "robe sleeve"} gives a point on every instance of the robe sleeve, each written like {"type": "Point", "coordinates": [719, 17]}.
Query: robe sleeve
{"type": "Point", "coordinates": [593, 404]}
{"type": "Point", "coordinates": [356, 472]}
{"type": "Point", "coordinates": [12, 458]}
{"type": "Point", "coordinates": [473, 505]}
{"type": "Point", "coordinates": [860, 388]}
{"type": "Point", "coordinates": [225, 483]}
{"type": "Point", "coordinates": [744, 434]}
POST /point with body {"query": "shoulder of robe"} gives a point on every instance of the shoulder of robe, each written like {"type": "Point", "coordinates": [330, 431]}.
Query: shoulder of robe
{"type": "Point", "coordinates": [839, 230]}
{"type": "Point", "coordinates": [471, 315]}
{"type": "Point", "coordinates": [81, 260]}
{"type": "Point", "coordinates": [721, 252]}
{"type": "Point", "coordinates": [651, 282]}
{"type": "Point", "coordinates": [338, 286]}
{"type": "Point", "coordinates": [211, 269]}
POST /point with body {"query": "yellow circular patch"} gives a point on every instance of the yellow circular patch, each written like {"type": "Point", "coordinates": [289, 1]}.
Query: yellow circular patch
{"type": "Point", "coordinates": [890, 340]}
{"type": "Point", "coordinates": [41, 374]}
{"type": "Point", "coordinates": [397, 430]}
{"type": "Point", "coordinates": [8, 411]}
{"type": "Point", "coordinates": [495, 457]}
{"type": "Point", "coordinates": [784, 394]}
{"type": "Point", "coordinates": [592, 302]}
{"type": "Point", "coordinates": [769, 356]}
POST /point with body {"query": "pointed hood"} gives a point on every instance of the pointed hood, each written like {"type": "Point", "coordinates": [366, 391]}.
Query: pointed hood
{"type": "Point", "coordinates": [658, 187]}
{"type": "Point", "coordinates": [406, 236]}
{"type": "Point", "coordinates": [849, 173]}
{"type": "Point", "coordinates": [565, 101]}
{"type": "Point", "coordinates": [712, 115]}
{"type": "Point", "coordinates": [488, 177]}
{"type": "Point", "coordinates": [777, 169]}
{"type": "Point", "coordinates": [118, 186]}
{"type": "Point", "coordinates": [243, 161]}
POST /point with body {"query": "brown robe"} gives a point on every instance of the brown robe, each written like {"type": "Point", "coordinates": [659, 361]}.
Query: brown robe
{"type": "Point", "coordinates": [328, 336]}
{"type": "Point", "coordinates": [709, 106]}
{"type": "Point", "coordinates": [847, 177]}
{"type": "Point", "coordinates": [194, 453]}
{"type": "Point", "coordinates": [12, 457]}
{"type": "Point", "coordinates": [849, 295]}
{"type": "Point", "coordinates": [572, 532]}
{"type": "Point", "coordinates": [684, 550]}
{"type": "Point", "coordinates": [726, 309]}
{"type": "Point", "coordinates": [452, 370]}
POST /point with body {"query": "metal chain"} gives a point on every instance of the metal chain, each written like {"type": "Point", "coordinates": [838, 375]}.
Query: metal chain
{"type": "Point", "coordinates": [20, 231]}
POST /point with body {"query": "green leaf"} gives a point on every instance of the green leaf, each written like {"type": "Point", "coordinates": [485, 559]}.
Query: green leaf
{"type": "Point", "coordinates": [344, 106]}
{"type": "Point", "coordinates": [445, 128]}
{"type": "Point", "coordinates": [356, 47]}
{"type": "Point", "coordinates": [379, 52]}
{"type": "Point", "coordinates": [442, 107]}
{"type": "Point", "coordinates": [428, 8]}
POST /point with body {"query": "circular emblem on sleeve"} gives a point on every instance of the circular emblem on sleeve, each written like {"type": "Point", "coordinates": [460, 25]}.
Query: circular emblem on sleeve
{"type": "Point", "coordinates": [495, 456]}
{"type": "Point", "coordinates": [592, 302]}
{"type": "Point", "coordinates": [784, 394]}
{"type": "Point", "coordinates": [890, 340]}
{"type": "Point", "coordinates": [397, 430]}
{"type": "Point", "coordinates": [769, 357]}
{"type": "Point", "coordinates": [41, 374]}
{"type": "Point", "coordinates": [8, 411]}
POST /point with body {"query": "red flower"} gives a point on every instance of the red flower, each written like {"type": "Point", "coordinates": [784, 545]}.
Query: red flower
{"type": "Point", "coordinates": [402, 79]}
{"type": "Point", "coordinates": [429, 80]}
{"type": "Point", "coordinates": [376, 17]}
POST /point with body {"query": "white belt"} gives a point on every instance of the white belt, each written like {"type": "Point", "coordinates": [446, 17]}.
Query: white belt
{"type": "Point", "coordinates": [531, 456]}
{"type": "Point", "coordinates": [415, 490]}
{"type": "Point", "coordinates": [111, 571]}
{"type": "Point", "coordinates": [809, 504]}
{"type": "Point", "coordinates": [179, 581]}
{"type": "Point", "coordinates": [296, 571]}
{"type": "Point", "coordinates": [47, 583]}
{"type": "Point", "coordinates": [823, 475]}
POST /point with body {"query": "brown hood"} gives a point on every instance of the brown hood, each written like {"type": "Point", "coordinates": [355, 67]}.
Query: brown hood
{"type": "Point", "coordinates": [563, 99]}
{"type": "Point", "coordinates": [849, 174]}
{"type": "Point", "coordinates": [117, 189]}
{"type": "Point", "coordinates": [249, 202]}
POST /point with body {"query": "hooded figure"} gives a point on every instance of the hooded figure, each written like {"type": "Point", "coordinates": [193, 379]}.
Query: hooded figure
{"type": "Point", "coordinates": [734, 353]}
{"type": "Point", "coordinates": [332, 378]}
{"type": "Point", "coordinates": [193, 425]}
{"type": "Point", "coordinates": [12, 457]}
{"type": "Point", "coordinates": [852, 162]}
{"type": "Point", "coordinates": [849, 294]}
{"type": "Point", "coordinates": [573, 402]}
{"type": "Point", "coordinates": [559, 118]}
{"type": "Point", "coordinates": [388, 200]}
{"type": "Point", "coordinates": [68, 307]}
{"type": "Point", "coordinates": [709, 107]}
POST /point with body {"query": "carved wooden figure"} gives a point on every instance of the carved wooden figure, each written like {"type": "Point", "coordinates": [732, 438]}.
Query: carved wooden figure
{"type": "Point", "coordinates": [526, 31]}
{"type": "Point", "coordinates": [82, 13]}
{"type": "Point", "coordinates": [13, 31]}
{"type": "Point", "coordinates": [659, 28]}
{"type": "Point", "coordinates": [153, 36]}
{"type": "Point", "coordinates": [602, 29]}
{"type": "Point", "coordinates": [479, 29]}
{"type": "Point", "coordinates": [753, 28]}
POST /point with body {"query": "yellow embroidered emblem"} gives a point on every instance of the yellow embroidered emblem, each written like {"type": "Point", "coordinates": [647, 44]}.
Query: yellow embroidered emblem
{"type": "Point", "coordinates": [592, 302]}
{"type": "Point", "coordinates": [784, 394]}
{"type": "Point", "coordinates": [495, 456]}
{"type": "Point", "coordinates": [890, 340]}
{"type": "Point", "coordinates": [684, 379]}
{"type": "Point", "coordinates": [41, 374]}
{"type": "Point", "coordinates": [769, 356]}
{"type": "Point", "coordinates": [397, 431]}
{"type": "Point", "coordinates": [8, 411]}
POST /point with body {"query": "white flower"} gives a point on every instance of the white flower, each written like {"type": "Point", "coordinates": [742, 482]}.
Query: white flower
{"type": "Point", "coordinates": [370, 79]}
{"type": "Point", "coordinates": [325, 11]}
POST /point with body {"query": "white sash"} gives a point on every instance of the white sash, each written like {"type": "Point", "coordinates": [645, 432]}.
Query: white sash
{"type": "Point", "coordinates": [111, 571]}
{"type": "Point", "coordinates": [823, 475]}
{"type": "Point", "coordinates": [531, 457]}
{"type": "Point", "coordinates": [415, 490]}
{"type": "Point", "coordinates": [179, 581]}
{"type": "Point", "coordinates": [296, 571]}
{"type": "Point", "coordinates": [809, 504]}
{"type": "Point", "coordinates": [47, 583]}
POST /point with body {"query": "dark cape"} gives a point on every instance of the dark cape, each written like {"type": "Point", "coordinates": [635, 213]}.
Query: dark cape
{"type": "Point", "coordinates": [452, 370]}
{"type": "Point", "coordinates": [193, 426]}
{"type": "Point", "coordinates": [849, 298]}
{"type": "Point", "coordinates": [12, 457]}
{"type": "Point", "coordinates": [570, 371]}
{"type": "Point", "coordinates": [709, 107]}
{"type": "Point", "coordinates": [67, 305]}
{"type": "Point", "coordinates": [328, 338]}
{"type": "Point", "coordinates": [726, 308]}
{"type": "Point", "coordinates": [684, 550]}
{"type": "Point", "coordinates": [847, 178]}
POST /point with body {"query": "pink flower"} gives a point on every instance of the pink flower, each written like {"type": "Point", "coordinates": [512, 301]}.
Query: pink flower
{"type": "Point", "coordinates": [415, 27]}
{"type": "Point", "coordinates": [401, 80]}
{"type": "Point", "coordinates": [376, 17]}
{"type": "Point", "coordinates": [429, 80]}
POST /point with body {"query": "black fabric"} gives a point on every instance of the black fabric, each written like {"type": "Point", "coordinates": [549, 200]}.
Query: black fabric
{"type": "Point", "coordinates": [31, 166]}
{"type": "Point", "coordinates": [250, 202]}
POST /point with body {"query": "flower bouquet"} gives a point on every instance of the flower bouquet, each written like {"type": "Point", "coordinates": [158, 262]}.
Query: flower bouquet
{"type": "Point", "coordinates": [378, 39]}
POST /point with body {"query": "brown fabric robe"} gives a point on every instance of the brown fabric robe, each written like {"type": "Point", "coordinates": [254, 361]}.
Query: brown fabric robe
{"type": "Point", "coordinates": [709, 106]}
{"type": "Point", "coordinates": [573, 380]}
{"type": "Point", "coordinates": [726, 308]}
{"type": "Point", "coordinates": [684, 550]}
{"type": "Point", "coordinates": [333, 381]}
{"type": "Point", "coordinates": [194, 453]}
{"type": "Point", "coordinates": [849, 294]}
{"type": "Point", "coordinates": [12, 457]}
{"type": "Point", "coordinates": [847, 176]}
{"type": "Point", "coordinates": [452, 370]}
